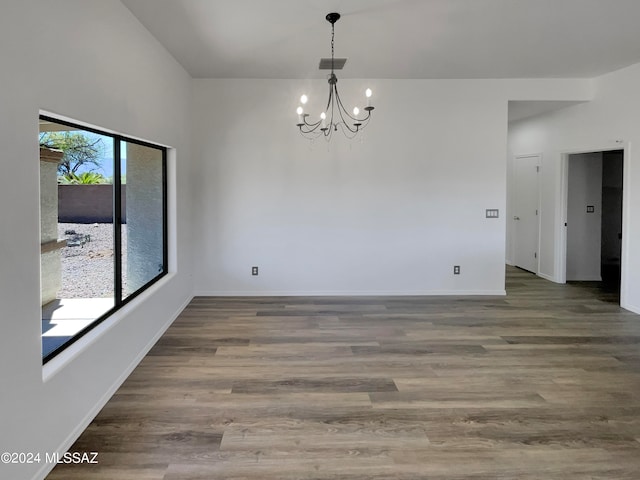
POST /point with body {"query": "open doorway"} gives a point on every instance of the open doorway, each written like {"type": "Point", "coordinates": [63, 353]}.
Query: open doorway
{"type": "Point", "coordinates": [594, 217]}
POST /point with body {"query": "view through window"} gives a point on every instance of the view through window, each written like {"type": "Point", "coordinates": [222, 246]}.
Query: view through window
{"type": "Point", "coordinates": [103, 226]}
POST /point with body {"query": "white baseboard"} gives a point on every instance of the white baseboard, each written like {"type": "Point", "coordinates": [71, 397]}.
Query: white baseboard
{"type": "Point", "coordinates": [88, 418]}
{"type": "Point", "coordinates": [548, 277]}
{"type": "Point", "coordinates": [631, 308]}
{"type": "Point", "coordinates": [351, 293]}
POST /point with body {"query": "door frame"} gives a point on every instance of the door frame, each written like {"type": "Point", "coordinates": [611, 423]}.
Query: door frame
{"type": "Point", "coordinates": [561, 247]}
{"type": "Point", "coordinates": [538, 205]}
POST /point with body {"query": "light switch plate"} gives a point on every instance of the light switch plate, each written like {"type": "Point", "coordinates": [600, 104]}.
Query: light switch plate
{"type": "Point", "coordinates": [492, 213]}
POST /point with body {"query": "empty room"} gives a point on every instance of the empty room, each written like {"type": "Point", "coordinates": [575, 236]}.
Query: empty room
{"type": "Point", "coordinates": [340, 240]}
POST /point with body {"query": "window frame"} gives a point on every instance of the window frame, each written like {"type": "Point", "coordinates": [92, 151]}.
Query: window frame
{"type": "Point", "coordinates": [119, 302]}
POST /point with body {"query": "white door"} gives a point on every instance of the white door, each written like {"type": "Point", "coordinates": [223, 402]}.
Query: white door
{"type": "Point", "coordinates": [525, 212]}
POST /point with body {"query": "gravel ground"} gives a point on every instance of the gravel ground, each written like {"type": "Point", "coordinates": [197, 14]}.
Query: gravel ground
{"type": "Point", "coordinates": [87, 269]}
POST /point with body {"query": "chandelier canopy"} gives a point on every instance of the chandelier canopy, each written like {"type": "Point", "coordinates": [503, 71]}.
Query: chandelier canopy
{"type": "Point", "coordinates": [335, 114]}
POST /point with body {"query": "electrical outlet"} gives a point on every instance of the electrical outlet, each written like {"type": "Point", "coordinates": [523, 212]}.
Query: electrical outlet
{"type": "Point", "coordinates": [254, 271]}
{"type": "Point", "coordinates": [456, 269]}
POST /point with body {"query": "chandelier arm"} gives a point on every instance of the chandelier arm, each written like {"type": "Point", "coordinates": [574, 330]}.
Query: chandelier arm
{"type": "Point", "coordinates": [355, 119]}
{"type": "Point", "coordinates": [312, 125]}
{"type": "Point", "coordinates": [344, 124]}
{"type": "Point", "coordinates": [363, 125]}
{"type": "Point", "coordinates": [342, 111]}
{"type": "Point", "coordinates": [329, 113]}
{"type": "Point", "coordinates": [336, 105]}
{"type": "Point", "coordinates": [344, 132]}
{"type": "Point", "coordinates": [365, 122]}
{"type": "Point", "coordinates": [309, 136]}
{"type": "Point", "coordinates": [330, 125]}
{"type": "Point", "coordinates": [329, 102]}
{"type": "Point", "coordinates": [309, 133]}
{"type": "Point", "coordinates": [310, 130]}
{"type": "Point", "coordinates": [333, 104]}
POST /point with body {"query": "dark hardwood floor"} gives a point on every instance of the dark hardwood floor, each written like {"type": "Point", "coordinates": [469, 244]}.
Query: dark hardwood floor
{"type": "Point", "coordinates": [541, 384]}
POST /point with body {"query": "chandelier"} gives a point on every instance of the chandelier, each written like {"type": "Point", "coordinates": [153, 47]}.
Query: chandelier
{"type": "Point", "coordinates": [335, 114]}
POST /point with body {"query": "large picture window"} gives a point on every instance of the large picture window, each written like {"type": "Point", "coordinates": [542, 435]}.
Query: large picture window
{"type": "Point", "coordinates": [103, 226]}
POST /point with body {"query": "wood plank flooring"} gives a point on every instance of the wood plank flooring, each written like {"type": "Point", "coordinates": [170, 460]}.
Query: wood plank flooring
{"type": "Point", "coordinates": [541, 384]}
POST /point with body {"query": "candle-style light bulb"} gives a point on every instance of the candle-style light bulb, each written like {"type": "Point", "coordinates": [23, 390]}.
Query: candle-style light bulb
{"type": "Point", "coordinates": [356, 111]}
{"type": "Point", "coordinates": [300, 111]}
{"type": "Point", "coordinates": [323, 117]}
{"type": "Point", "coordinates": [368, 94]}
{"type": "Point", "coordinates": [304, 99]}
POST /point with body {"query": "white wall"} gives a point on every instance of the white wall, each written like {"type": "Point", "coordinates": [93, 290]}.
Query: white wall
{"type": "Point", "coordinates": [610, 121]}
{"type": "Point", "coordinates": [391, 214]}
{"type": "Point", "coordinates": [584, 228]}
{"type": "Point", "coordinates": [90, 61]}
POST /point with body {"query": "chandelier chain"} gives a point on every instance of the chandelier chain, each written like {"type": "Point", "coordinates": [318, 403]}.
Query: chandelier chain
{"type": "Point", "coordinates": [333, 33]}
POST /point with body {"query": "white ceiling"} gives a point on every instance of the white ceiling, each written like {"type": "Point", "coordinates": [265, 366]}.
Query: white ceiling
{"type": "Point", "coordinates": [397, 38]}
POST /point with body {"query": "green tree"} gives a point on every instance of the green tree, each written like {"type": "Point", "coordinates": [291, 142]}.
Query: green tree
{"type": "Point", "coordinates": [79, 150]}
{"type": "Point", "coordinates": [85, 178]}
